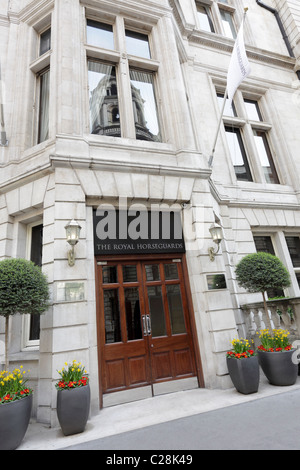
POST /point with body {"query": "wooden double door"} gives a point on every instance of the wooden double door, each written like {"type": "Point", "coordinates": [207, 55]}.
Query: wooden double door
{"type": "Point", "coordinates": [144, 329]}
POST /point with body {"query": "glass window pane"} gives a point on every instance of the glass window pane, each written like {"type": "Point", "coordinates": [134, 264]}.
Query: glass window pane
{"type": "Point", "coordinates": [265, 157]}
{"type": "Point", "coordinates": [204, 19]}
{"type": "Point", "coordinates": [293, 244]}
{"type": "Point", "coordinates": [112, 316]}
{"type": "Point", "coordinates": [133, 316]}
{"type": "Point", "coordinates": [228, 110]}
{"type": "Point", "coordinates": [137, 44]}
{"type": "Point", "coordinates": [171, 271]}
{"type": "Point", "coordinates": [175, 309]}
{"type": "Point", "coordinates": [298, 278]}
{"type": "Point", "coordinates": [237, 154]}
{"type": "Point", "coordinates": [103, 98]}
{"type": "Point", "coordinates": [228, 24]}
{"type": "Point", "coordinates": [45, 41]}
{"type": "Point", "coordinates": [129, 273]}
{"type": "Point", "coordinates": [34, 329]}
{"type": "Point", "coordinates": [44, 107]}
{"type": "Point", "coordinates": [110, 274]}
{"type": "Point", "coordinates": [156, 309]}
{"type": "Point", "coordinates": [252, 110]}
{"type": "Point", "coordinates": [36, 257]}
{"type": "Point", "coordinates": [144, 106]}
{"type": "Point", "coordinates": [152, 272]}
{"type": "Point", "coordinates": [99, 34]}
{"type": "Point", "coordinates": [264, 244]}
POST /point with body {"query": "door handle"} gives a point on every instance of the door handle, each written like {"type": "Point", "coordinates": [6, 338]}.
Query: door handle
{"type": "Point", "coordinates": [148, 321]}
{"type": "Point", "coordinates": [144, 325]}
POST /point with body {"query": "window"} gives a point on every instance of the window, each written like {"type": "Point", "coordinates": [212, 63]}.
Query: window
{"type": "Point", "coordinates": [45, 41]}
{"type": "Point", "coordinates": [41, 70]}
{"type": "Point", "coordinates": [252, 110]}
{"type": "Point", "coordinates": [265, 156]}
{"type": "Point", "coordinates": [132, 67]}
{"type": "Point", "coordinates": [31, 323]}
{"type": "Point", "coordinates": [264, 243]}
{"type": "Point", "coordinates": [238, 154]}
{"type": "Point", "coordinates": [261, 141]}
{"type": "Point", "coordinates": [217, 17]}
{"type": "Point", "coordinates": [228, 110]}
{"type": "Point", "coordinates": [144, 106]}
{"type": "Point", "coordinates": [44, 83]}
{"type": "Point", "coordinates": [248, 130]}
{"type": "Point", "coordinates": [103, 99]}
{"type": "Point", "coordinates": [204, 18]}
{"type": "Point", "coordinates": [228, 24]}
{"type": "Point", "coordinates": [293, 244]}
{"type": "Point", "coordinates": [100, 34]}
{"type": "Point", "coordinates": [137, 44]}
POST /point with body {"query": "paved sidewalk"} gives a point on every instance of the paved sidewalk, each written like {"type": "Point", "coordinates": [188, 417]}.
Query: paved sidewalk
{"type": "Point", "coordinates": [270, 423]}
{"type": "Point", "coordinates": [171, 412]}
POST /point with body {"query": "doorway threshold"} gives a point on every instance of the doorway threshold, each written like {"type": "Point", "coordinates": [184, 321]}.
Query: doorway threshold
{"type": "Point", "coordinates": [140, 393]}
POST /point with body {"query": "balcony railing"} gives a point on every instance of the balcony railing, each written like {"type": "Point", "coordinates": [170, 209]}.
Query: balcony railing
{"type": "Point", "coordinates": [282, 313]}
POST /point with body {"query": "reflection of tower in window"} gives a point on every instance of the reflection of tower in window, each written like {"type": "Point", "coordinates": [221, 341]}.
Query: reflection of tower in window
{"type": "Point", "coordinates": [105, 108]}
{"type": "Point", "coordinates": [106, 121]}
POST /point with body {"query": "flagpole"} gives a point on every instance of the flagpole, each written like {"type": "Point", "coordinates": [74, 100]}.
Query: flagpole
{"type": "Point", "coordinates": [210, 161]}
{"type": "Point", "coordinates": [3, 140]}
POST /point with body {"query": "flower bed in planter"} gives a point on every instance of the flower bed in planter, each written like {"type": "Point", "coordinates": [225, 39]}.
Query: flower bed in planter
{"type": "Point", "coordinates": [15, 408]}
{"type": "Point", "coordinates": [275, 356]}
{"type": "Point", "coordinates": [243, 368]}
{"type": "Point", "coordinates": [73, 398]}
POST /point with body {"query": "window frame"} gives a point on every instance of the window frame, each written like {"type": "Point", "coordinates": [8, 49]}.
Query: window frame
{"type": "Point", "coordinates": [215, 9]}
{"type": "Point", "coordinates": [236, 130]}
{"type": "Point", "coordinates": [40, 52]}
{"type": "Point", "coordinates": [28, 344]}
{"type": "Point", "coordinates": [248, 126]}
{"type": "Point", "coordinates": [123, 62]}
{"type": "Point", "coordinates": [231, 23]}
{"type": "Point", "coordinates": [40, 87]}
{"type": "Point", "coordinates": [39, 66]}
{"type": "Point", "coordinates": [209, 16]}
{"type": "Point", "coordinates": [296, 269]}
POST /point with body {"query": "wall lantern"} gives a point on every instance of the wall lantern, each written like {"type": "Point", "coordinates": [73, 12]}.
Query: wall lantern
{"type": "Point", "coordinates": [217, 236]}
{"type": "Point", "coordinates": [72, 234]}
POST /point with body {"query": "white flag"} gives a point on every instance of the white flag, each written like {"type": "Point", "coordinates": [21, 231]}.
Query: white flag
{"type": "Point", "coordinates": [239, 67]}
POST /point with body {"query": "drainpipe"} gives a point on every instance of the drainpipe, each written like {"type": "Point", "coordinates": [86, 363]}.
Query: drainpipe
{"type": "Point", "coordinates": [281, 27]}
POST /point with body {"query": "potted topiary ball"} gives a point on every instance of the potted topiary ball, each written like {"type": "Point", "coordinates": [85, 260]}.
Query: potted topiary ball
{"type": "Point", "coordinates": [259, 272]}
{"type": "Point", "coordinates": [23, 289]}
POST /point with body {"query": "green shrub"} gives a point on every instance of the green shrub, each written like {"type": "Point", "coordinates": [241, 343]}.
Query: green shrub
{"type": "Point", "coordinates": [261, 271]}
{"type": "Point", "coordinates": [23, 289]}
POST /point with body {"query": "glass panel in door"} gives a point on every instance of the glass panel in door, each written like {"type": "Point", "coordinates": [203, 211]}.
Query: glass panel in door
{"type": "Point", "coordinates": [133, 314]}
{"type": "Point", "coordinates": [156, 310]}
{"type": "Point", "coordinates": [175, 309]}
{"type": "Point", "coordinates": [112, 316]}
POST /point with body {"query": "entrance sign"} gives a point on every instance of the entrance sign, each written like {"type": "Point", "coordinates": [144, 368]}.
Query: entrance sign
{"type": "Point", "coordinates": [136, 231]}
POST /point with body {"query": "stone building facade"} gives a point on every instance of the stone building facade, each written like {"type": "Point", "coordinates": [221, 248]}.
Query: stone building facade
{"type": "Point", "coordinates": [111, 107]}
